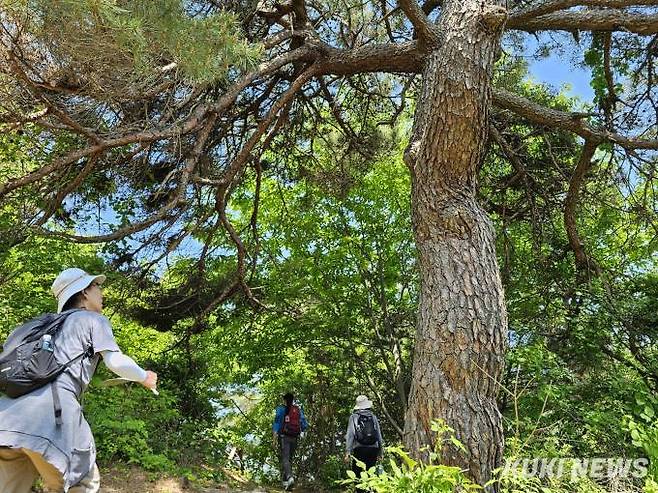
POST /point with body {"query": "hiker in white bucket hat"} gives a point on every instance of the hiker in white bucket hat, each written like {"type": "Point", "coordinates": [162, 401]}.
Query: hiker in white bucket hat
{"type": "Point", "coordinates": [59, 446]}
{"type": "Point", "coordinates": [362, 403]}
{"type": "Point", "coordinates": [364, 441]}
{"type": "Point", "coordinates": [72, 282]}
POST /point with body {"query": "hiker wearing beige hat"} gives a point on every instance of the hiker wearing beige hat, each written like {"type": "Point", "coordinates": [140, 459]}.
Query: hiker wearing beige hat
{"type": "Point", "coordinates": [43, 432]}
{"type": "Point", "coordinates": [364, 440]}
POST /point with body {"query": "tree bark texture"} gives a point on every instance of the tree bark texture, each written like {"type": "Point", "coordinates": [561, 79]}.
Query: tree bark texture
{"type": "Point", "coordinates": [462, 320]}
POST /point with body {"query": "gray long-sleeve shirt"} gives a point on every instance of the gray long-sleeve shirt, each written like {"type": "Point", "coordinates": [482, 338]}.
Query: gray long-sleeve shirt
{"type": "Point", "coordinates": [350, 437]}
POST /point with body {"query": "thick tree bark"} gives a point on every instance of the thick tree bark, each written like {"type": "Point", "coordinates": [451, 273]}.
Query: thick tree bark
{"type": "Point", "coordinates": [462, 322]}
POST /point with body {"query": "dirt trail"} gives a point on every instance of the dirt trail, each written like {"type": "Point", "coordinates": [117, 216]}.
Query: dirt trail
{"type": "Point", "coordinates": [134, 480]}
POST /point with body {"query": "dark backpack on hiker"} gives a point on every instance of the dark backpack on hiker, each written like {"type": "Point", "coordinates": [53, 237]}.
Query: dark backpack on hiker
{"type": "Point", "coordinates": [365, 431]}
{"type": "Point", "coordinates": [28, 362]}
{"type": "Point", "coordinates": [292, 425]}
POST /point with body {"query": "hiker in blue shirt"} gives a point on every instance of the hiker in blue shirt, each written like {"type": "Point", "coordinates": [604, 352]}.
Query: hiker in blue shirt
{"type": "Point", "coordinates": [289, 423]}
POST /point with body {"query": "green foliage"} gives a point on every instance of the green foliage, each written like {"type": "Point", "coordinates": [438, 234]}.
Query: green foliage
{"type": "Point", "coordinates": [581, 347]}
{"type": "Point", "coordinates": [17, 155]}
{"type": "Point", "coordinates": [651, 486]}
{"type": "Point", "coordinates": [116, 43]}
{"type": "Point", "coordinates": [643, 428]}
{"type": "Point", "coordinates": [344, 269]}
{"type": "Point", "coordinates": [127, 423]}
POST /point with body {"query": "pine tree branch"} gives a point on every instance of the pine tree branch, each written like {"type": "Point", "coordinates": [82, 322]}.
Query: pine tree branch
{"type": "Point", "coordinates": [137, 137]}
{"type": "Point", "coordinates": [187, 174]}
{"type": "Point", "coordinates": [590, 20]}
{"type": "Point", "coordinates": [282, 36]}
{"type": "Point", "coordinates": [193, 122]}
{"type": "Point", "coordinates": [13, 120]}
{"type": "Point", "coordinates": [510, 154]}
{"type": "Point", "coordinates": [426, 31]}
{"type": "Point", "coordinates": [404, 57]}
{"type": "Point", "coordinates": [61, 194]}
{"type": "Point", "coordinates": [301, 15]}
{"type": "Point", "coordinates": [611, 98]}
{"type": "Point", "coordinates": [238, 163]}
{"type": "Point", "coordinates": [177, 200]}
{"type": "Point", "coordinates": [542, 8]}
{"type": "Point", "coordinates": [430, 5]}
{"type": "Point", "coordinates": [584, 262]}
{"type": "Point", "coordinates": [561, 119]}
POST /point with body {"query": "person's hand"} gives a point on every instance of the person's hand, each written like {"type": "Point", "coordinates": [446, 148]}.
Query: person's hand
{"type": "Point", "coordinates": [151, 381]}
{"type": "Point", "coordinates": [346, 459]}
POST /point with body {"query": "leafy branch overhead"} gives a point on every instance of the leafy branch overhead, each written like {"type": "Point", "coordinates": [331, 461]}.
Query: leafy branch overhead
{"type": "Point", "coordinates": [170, 104]}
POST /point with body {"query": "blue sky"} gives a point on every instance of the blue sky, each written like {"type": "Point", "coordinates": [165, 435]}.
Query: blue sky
{"type": "Point", "coordinates": [560, 70]}
{"type": "Point", "coordinates": [558, 73]}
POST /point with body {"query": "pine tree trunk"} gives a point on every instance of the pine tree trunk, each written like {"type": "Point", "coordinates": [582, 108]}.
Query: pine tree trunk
{"type": "Point", "coordinates": [462, 321]}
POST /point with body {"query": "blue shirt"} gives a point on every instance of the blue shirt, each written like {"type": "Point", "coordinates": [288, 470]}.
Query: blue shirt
{"type": "Point", "coordinates": [281, 413]}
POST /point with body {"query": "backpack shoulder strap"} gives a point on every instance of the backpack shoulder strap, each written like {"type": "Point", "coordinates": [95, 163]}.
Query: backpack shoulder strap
{"type": "Point", "coordinates": [50, 323]}
{"type": "Point", "coordinates": [356, 423]}
{"type": "Point", "coordinates": [50, 326]}
{"type": "Point", "coordinates": [21, 334]}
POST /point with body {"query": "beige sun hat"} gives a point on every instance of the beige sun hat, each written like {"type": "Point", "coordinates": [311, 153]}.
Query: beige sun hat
{"type": "Point", "coordinates": [362, 402]}
{"type": "Point", "coordinates": [70, 282]}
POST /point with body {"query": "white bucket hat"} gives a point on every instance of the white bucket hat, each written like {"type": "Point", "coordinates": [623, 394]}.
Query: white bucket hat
{"type": "Point", "coordinates": [70, 282]}
{"type": "Point", "coordinates": [362, 402]}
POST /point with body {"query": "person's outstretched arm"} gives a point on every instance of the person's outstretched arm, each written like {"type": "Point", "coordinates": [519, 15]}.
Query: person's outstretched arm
{"type": "Point", "coordinates": [125, 367]}
{"type": "Point", "coordinates": [349, 438]}
{"type": "Point", "coordinates": [103, 342]}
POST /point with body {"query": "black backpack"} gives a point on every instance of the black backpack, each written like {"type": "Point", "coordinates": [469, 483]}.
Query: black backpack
{"type": "Point", "coordinates": [28, 362]}
{"type": "Point", "coordinates": [365, 430]}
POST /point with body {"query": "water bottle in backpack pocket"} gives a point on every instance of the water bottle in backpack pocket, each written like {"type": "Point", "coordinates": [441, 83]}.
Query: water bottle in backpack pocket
{"type": "Point", "coordinates": [47, 343]}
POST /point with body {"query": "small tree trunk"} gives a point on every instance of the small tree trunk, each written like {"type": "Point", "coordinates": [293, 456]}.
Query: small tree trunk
{"type": "Point", "coordinates": [462, 321]}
